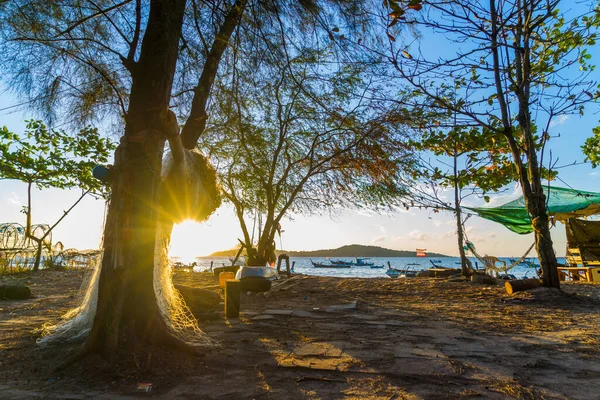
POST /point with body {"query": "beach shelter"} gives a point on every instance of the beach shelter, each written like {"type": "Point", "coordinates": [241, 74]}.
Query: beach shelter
{"type": "Point", "coordinates": [563, 204]}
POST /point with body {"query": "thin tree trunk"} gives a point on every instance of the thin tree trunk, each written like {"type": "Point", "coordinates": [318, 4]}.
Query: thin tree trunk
{"type": "Point", "coordinates": [38, 256]}
{"type": "Point", "coordinates": [29, 234]}
{"type": "Point", "coordinates": [41, 240]}
{"type": "Point", "coordinates": [459, 227]}
{"type": "Point", "coordinates": [530, 177]}
{"type": "Point", "coordinates": [535, 200]}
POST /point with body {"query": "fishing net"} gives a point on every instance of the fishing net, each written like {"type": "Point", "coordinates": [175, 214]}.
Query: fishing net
{"type": "Point", "coordinates": [189, 191]}
{"type": "Point", "coordinates": [77, 323]}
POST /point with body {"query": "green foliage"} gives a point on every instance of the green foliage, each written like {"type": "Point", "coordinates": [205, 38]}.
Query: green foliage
{"type": "Point", "coordinates": [486, 161]}
{"type": "Point", "coordinates": [51, 158]}
{"type": "Point", "coordinates": [75, 59]}
{"type": "Point", "coordinates": [294, 137]}
{"type": "Point", "coordinates": [591, 148]}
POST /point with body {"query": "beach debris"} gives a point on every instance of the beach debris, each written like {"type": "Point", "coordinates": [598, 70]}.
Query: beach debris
{"type": "Point", "coordinates": [304, 314]}
{"type": "Point", "coordinates": [199, 300]}
{"type": "Point", "coordinates": [319, 379]}
{"type": "Point", "coordinates": [521, 284]}
{"type": "Point", "coordinates": [9, 292]}
{"type": "Point", "coordinates": [348, 306]}
{"type": "Point", "coordinates": [283, 285]}
{"type": "Point", "coordinates": [279, 312]}
{"type": "Point", "coordinates": [262, 317]}
{"type": "Point", "coordinates": [484, 279]}
{"type": "Point", "coordinates": [144, 387]}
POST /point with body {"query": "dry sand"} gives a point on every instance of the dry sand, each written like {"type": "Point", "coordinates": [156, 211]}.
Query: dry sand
{"type": "Point", "coordinates": [331, 338]}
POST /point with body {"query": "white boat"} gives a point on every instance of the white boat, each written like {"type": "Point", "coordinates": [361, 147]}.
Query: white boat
{"type": "Point", "coordinates": [256, 279]}
{"type": "Point", "coordinates": [407, 272]}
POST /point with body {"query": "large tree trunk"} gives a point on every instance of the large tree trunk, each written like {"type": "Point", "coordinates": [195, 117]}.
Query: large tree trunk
{"type": "Point", "coordinates": [127, 310]}
{"type": "Point", "coordinates": [536, 205]}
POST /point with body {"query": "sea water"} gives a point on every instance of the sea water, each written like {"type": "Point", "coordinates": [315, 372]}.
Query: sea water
{"type": "Point", "coordinates": [303, 265]}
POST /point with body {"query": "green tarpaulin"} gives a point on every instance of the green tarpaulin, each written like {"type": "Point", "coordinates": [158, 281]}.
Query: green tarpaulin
{"type": "Point", "coordinates": [562, 205]}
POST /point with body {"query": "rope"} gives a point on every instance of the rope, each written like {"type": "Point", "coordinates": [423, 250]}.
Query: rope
{"type": "Point", "coordinates": [471, 247]}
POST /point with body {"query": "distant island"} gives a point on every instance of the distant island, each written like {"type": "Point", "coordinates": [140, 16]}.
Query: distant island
{"type": "Point", "coordinates": [352, 250]}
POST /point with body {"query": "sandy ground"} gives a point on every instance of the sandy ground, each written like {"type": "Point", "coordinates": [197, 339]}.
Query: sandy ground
{"type": "Point", "coordinates": [329, 338]}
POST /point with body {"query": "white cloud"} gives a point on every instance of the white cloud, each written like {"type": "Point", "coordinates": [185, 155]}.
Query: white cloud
{"type": "Point", "coordinates": [437, 222]}
{"type": "Point", "coordinates": [365, 213]}
{"type": "Point", "coordinates": [379, 239]}
{"type": "Point", "coordinates": [382, 229]}
{"type": "Point", "coordinates": [448, 234]}
{"type": "Point", "coordinates": [561, 119]}
{"type": "Point", "coordinates": [419, 236]}
{"type": "Point", "coordinates": [512, 194]}
{"type": "Point", "coordinates": [13, 200]}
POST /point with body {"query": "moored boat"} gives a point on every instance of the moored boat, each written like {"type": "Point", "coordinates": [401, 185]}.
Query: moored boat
{"type": "Point", "coordinates": [393, 273]}
{"type": "Point", "coordinates": [330, 265]}
{"type": "Point", "coordinates": [256, 279]}
{"type": "Point", "coordinates": [359, 262]}
{"type": "Point", "coordinates": [438, 272]}
{"type": "Point", "coordinates": [407, 272]}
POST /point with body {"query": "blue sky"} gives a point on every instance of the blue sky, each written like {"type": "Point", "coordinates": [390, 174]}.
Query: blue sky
{"type": "Point", "coordinates": [403, 230]}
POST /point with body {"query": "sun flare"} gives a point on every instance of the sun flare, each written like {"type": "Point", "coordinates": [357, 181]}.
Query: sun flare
{"type": "Point", "coordinates": [191, 239]}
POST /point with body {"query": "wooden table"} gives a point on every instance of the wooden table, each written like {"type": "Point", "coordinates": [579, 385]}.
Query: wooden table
{"type": "Point", "coordinates": [579, 273]}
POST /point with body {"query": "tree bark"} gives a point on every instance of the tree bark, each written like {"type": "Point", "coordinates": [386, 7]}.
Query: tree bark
{"type": "Point", "coordinates": [535, 203]}
{"type": "Point", "coordinates": [196, 122]}
{"type": "Point", "coordinates": [535, 200]}
{"type": "Point", "coordinates": [127, 311]}
{"type": "Point", "coordinates": [465, 270]}
{"type": "Point", "coordinates": [29, 234]}
{"type": "Point", "coordinates": [530, 176]}
{"type": "Point", "coordinates": [520, 285]}
{"type": "Point", "coordinates": [38, 256]}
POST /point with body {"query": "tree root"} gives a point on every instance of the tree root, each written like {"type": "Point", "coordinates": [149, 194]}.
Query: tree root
{"type": "Point", "coordinates": [86, 349]}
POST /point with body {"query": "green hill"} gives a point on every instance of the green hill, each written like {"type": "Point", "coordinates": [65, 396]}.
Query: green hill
{"type": "Point", "coordinates": [352, 250]}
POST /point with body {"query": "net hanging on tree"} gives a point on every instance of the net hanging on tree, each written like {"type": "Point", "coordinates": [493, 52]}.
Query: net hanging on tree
{"type": "Point", "coordinates": [189, 191]}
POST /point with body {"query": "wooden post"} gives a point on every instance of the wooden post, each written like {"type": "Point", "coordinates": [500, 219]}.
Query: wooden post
{"type": "Point", "coordinates": [233, 289]}
{"type": "Point", "coordinates": [287, 264]}
{"type": "Point", "coordinates": [211, 266]}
